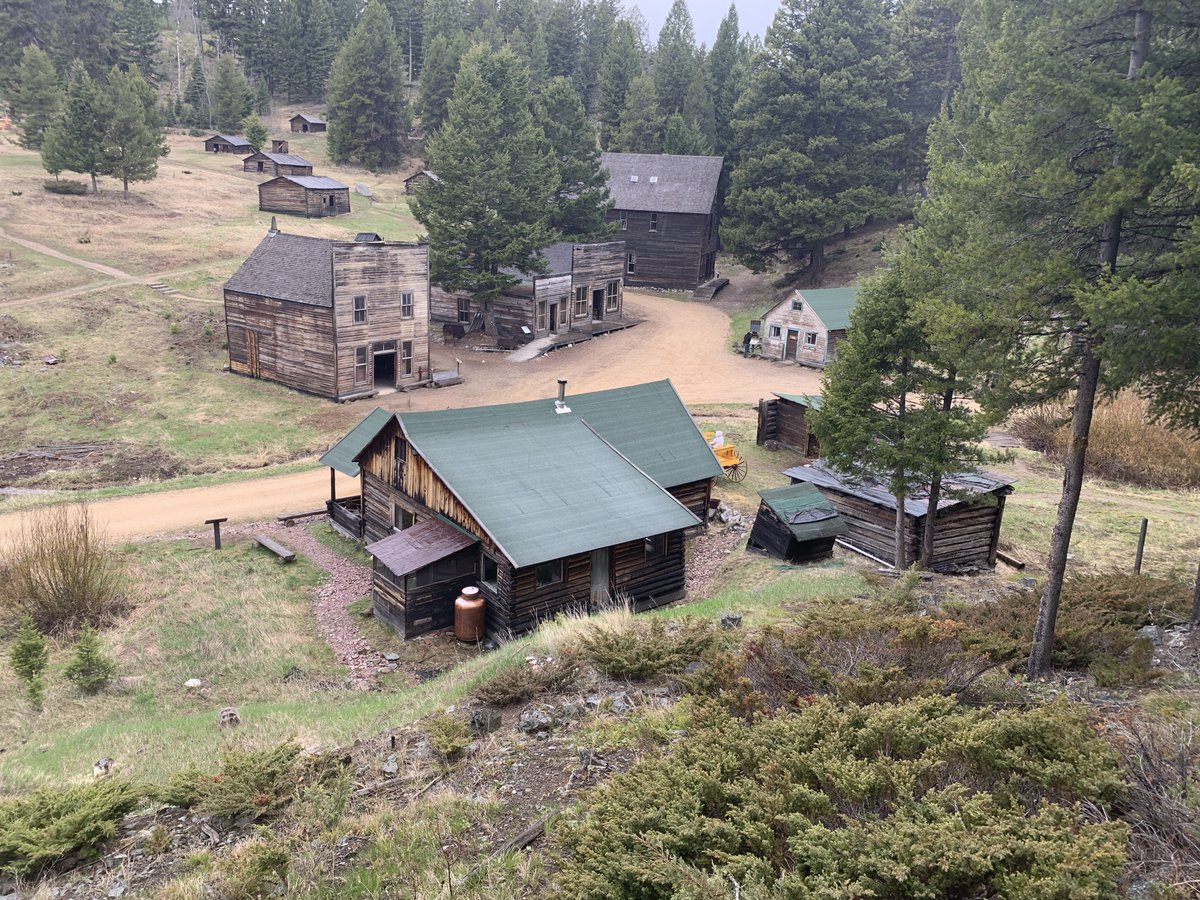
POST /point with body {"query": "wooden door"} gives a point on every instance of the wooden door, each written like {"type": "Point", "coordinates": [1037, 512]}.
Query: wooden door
{"type": "Point", "coordinates": [600, 577]}
{"type": "Point", "coordinates": [252, 353]}
{"type": "Point", "coordinates": [793, 338]}
{"type": "Point", "coordinates": [554, 318]}
{"type": "Point", "coordinates": [598, 305]}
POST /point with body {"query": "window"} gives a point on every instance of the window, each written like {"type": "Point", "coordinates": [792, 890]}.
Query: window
{"type": "Point", "coordinates": [452, 568]}
{"type": "Point", "coordinates": [402, 518]}
{"type": "Point", "coordinates": [562, 311]}
{"type": "Point", "coordinates": [360, 310]}
{"type": "Point", "coordinates": [406, 305]}
{"type": "Point", "coordinates": [654, 221]}
{"type": "Point", "coordinates": [399, 460]}
{"type": "Point", "coordinates": [624, 219]}
{"type": "Point", "coordinates": [464, 309]}
{"type": "Point", "coordinates": [631, 264]}
{"type": "Point", "coordinates": [810, 338]}
{"type": "Point", "coordinates": [406, 353]}
{"type": "Point", "coordinates": [776, 331]}
{"type": "Point", "coordinates": [656, 546]}
{"type": "Point", "coordinates": [488, 570]}
{"type": "Point", "coordinates": [611, 297]}
{"type": "Point", "coordinates": [542, 321]}
{"type": "Point", "coordinates": [797, 306]}
{"type": "Point", "coordinates": [549, 573]}
{"type": "Point", "coordinates": [581, 304]}
{"type": "Point", "coordinates": [360, 365]}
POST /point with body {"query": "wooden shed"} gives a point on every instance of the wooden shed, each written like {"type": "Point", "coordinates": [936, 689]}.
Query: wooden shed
{"type": "Point", "coordinates": [411, 182]}
{"type": "Point", "coordinates": [796, 524]}
{"type": "Point", "coordinates": [807, 326]}
{"type": "Point", "coordinates": [784, 420]}
{"type": "Point", "coordinates": [279, 145]}
{"type": "Point", "coordinates": [665, 207]}
{"type": "Point", "coordinates": [306, 124]}
{"type": "Point", "coordinates": [227, 143]}
{"type": "Point", "coordinates": [969, 513]}
{"type": "Point", "coordinates": [564, 504]}
{"type": "Point", "coordinates": [312, 196]}
{"type": "Point", "coordinates": [277, 164]}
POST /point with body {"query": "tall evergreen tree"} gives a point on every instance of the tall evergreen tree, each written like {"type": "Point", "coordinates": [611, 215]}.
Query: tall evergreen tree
{"type": "Point", "coordinates": [539, 58]}
{"type": "Point", "coordinates": [35, 97]}
{"type": "Point", "coordinates": [24, 22]}
{"type": "Point", "coordinates": [408, 17]}
{"type": "Point", "coordinates": [230, 95]}
{"type": "Point", "coordinates": [723, 76]}
{"type": "Point", "coordinates": [84, 30]}
{"type": "Point", "coordinates": [442, 17]}
{"type": "Point", "coordinates": [820, 132]}
{"type": "Point", "coordinates": [74, 143]}
{"type": "Point", "coordinates": [290, 69]}
{"type": "Point", "coordinates": [623, 62]}
{"type": "Point", "coordinates": [138, 25]}
{"type": "Point", "coordinates": [196, 96]}
{"type": "Point", "coordinates": [437, 81]}
{"type": "Point", "coordinates": [598, 18]}
{"type": "Point", "coordinates": [582, 198]}
{"type": "Point", "coordinates": [563, 37]}
{"type": "Point", "coordinates": [492, 205]}
{"type": "Point", "coordinates": [641, 128]}
{"type": "Point", "coordinates": [255, 131]}
{"type": "Point", "coordinates": [698, 111]}
{"type": "Point", "coordinates": [321, 46]}
{"type": "Point", "coordinates": [368, 116]}
{"type": "Point", "coordinates": [345, 17]}
{"type": "Point", "coordinates": [133, 133]}
{"type": "Point", "coordinates": [681, 136]}
{"type": "Point", "coordinates": [925, 32]}
{"type": "Point", "coordinates": [675, 60]}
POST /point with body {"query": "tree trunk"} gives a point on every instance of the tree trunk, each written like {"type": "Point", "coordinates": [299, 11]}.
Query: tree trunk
{"type": "Point", "coordinates": [125, 185]}
{"type": "Point", "coordinates": [900, 551]}
{"type": "Point", "coordinates": [95, 187]}
{"type": "Point", "coordinates": [816, 265]}
{"type": "Point", "coordinates": [901, 533]}
{"type": "Point", "coordinates": [935, 493]}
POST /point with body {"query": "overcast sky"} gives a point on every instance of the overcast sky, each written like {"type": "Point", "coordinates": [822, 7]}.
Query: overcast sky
{"type": "Point", "coordinates": [753, 15]}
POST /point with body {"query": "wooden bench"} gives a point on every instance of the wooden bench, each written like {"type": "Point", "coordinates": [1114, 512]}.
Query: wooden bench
{"type": "Point", "coordinates": [285, 555]}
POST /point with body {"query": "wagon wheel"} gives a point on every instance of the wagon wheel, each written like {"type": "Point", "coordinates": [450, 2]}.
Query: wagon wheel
{"type": "Point", "coordinates": [737, 472]}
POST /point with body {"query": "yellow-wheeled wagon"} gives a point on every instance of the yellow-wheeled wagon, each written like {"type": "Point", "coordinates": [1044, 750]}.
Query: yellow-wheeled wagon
{"type": "Point", "coordinates": [731, 461]}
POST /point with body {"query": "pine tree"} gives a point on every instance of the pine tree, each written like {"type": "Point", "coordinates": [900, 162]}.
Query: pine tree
{"type": "Point", "coordinates": [230, 95]}
{"type": "Point", "coordinates": [444, 18]}
{"type": "Point", "coordinates": [24, 22]}
{"type": "Point", "coordinates": [36, 97]}
{"type": "Point", "coordinates": [29, 654]}
{"type": "Point", "coordinates": [681, 136]}
{"type": "Point", "coordinates": [84, 30]}
{"type": "Point", "coordinates": [640, 130]}
{"type": "Point", "coordinates": [321, 45]}
{"type": "Point", "coordinates": [138, 26]}
{"type": "Point", "coordinates": [491, 207]}
{"type": "Point", "coordinates": [675, 60]}
{"type": "Point", "coordinates": [408, 17]}
{"type": "Point", "coordinates": [345, 17]}
{"type": "Point", "coordinates": [196, 96]}
{"type": "Point", "coordinates": [723, 61]}
{"type": "Point", "coordinates": [598, 18]}
{"type": "Point", "coordinates": [924, 31]}
{"type": "Point", "coordinates": [368, 118]}
{"type": "Point", "coordinates": [539, 58]}
{"type": "Point", "coordinates": [582, 195]}
{"type": "Point", "coordinates": [563, 38]}
{"type": "Point", "coordinates": [74, 142]}
{"type": "Point", "coordinates": [820, 133]}
{"type": "Point", "coordinates": [133, 133]}
{"type": "Point", "coordinates": [254, 131]}
{"type": "Point", "coordinates": [90, 669]}
{"type": "Point", "coordinates": [290, 67]}
{"type": "Point", "coordinates": [622, 63]}
{"type": "Point", "coordinates": [698, 111]}
{"type": "Point", "coordinates": [437, 80]}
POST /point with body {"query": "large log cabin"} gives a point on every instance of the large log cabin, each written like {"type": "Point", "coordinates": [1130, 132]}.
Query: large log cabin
{"type": "Point", "coordinates": [340, 319]}
{"type": "Point", "coordinates": [583, 290]}
{"type": "Point", "coordinates": [277, 163]}
{"type": "Point", "coordinates": [227, 143]}
{"type": "Point", "coordinates": [545, 505]}
{"type": "Point", "coordinates": [807, 326]}
{"type": "Point", "coordinates": [969, 512]}
{"type": "Point", "coordinates": [311, 196]}
{"type": "Point", "coordinates": [666, 210]}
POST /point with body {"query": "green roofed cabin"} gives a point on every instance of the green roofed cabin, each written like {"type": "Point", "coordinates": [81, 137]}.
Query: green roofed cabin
{"type": "Point", "coordinates": [807, 326]}
{"type": "Point", "coordinates": [566, 503]}
{"type": "Point", "coordinates": [783, 420]}
{"type": "Point", "coordinates": [796, 524]}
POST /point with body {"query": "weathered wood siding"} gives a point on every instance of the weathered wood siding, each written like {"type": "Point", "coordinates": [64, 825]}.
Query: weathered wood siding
{"type": "Point", "coordinates": [786, 423]}
{"type": "Point", "coordinates": [594, 267]}
{"type": "Point", "coordinates": [414, 610]}
{"type": "Point", "coordinates": [270, 167]}
{"type": "Point", "coordinates": [306, 127]}
{"type": "Point", "coordinates": [382, 273]}
{"type": "Point", "coordinates": [674, 255]}
{"type": "Point", "coordinates": [771, 535]}
{"type": "Point", "coordinates": [211, 146]}
{"type": "Point", "coordinates": [650, 580]}
{"type": "Point", "coordinates": [802, 322]}
{"type": "Point", "coordinates": [297, 200]}
{"type": "Point", "coordinates": [694, 495]}
{"type": "Point", "coordinates": [291, 343]}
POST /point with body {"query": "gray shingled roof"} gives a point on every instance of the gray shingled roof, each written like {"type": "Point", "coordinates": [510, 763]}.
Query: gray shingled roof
{"type": "Point", "coordinates": [236, 139]}
{"type": "Point", "coordinates": [559, 256]}
{"type": "Point", "coordinates": [685, 184]}
{"type": "Point", "coordinates": [288, 267]}
{"type": "Point", "coordinates": [286, 159]}
{"type": "Point", "coordinates": [317, 182]}
{"type": "Point", "coordinates": [311, 120]}
{"type": "Point", "coordinates": [957, 487]}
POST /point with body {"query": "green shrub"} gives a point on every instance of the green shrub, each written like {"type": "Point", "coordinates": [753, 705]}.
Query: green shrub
{"type": "Point", "coordinates": [522, 682]}
{"type": "Point", "coordinates": [65, 186]}
{"type": "Point", "coordinates": [50, 824]}
{"type": "Point", "coordinates": [29, 655]}
{"type": "Point", "coordinates": [253, 870]}
{"type": "Point", "coordinates": [643, 648]}
{"type": "Point", "coordinates": [920, 799]}
{"type": "Point", "coordinates": [448, 734]}
{"type": "Point", "coordinates": [90, 669]}
{"type": "Point", "coordinates": [251, 783]}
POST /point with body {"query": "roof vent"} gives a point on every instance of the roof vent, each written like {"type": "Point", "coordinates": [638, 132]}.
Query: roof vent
{"type": "Point", "coordinates": [274, 226]}
{"type": "Point", "coordinates": [654, 179]}
{"type": "Point", "coordinates": [633, 178]}
{"type": "Point", "coordinates": [560, 405]}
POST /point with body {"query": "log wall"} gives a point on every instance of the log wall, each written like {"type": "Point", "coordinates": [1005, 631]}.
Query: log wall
{"type": "Point", "coordinates": [292, 343]}
{"type": "Point", "coordinates": [296, 200]}
{"type": "Point", "coordinates": [694, 495]}
{"type": "Point", "coordinates": [674, 255]}
{"type": "Point", "coordinates": [270, 167]}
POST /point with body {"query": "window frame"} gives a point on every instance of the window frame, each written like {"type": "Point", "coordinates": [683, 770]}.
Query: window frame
{"type": "Point", "coordinates": [406, 358]}
{"type": "Point", "coordinates": [798, 306]}
{"type": "Point", "coordinates": [810, 339]}
{"type": "Point", "coordinates": [776, 331]}
{"type": "Point", "coordinates": [631, 264]}
{"type": "Point", "coordinates": [612, 296]}
{"type": "Point", "coordinates": [655, 546]}
{"type": "Point", "coordinates": [400, 515]}
{"type": "Point", "coordinates": [654, 223]}
{"type": "Point", "coordinates": [550, 577]}
{"type": "Point", "coordinates": [406, 304]}
{"type": "Point", "coordinates": [543, 319]}
{"type": "Point", "coordinates": [581, 301]}
{"type": "Point", "coordinates": [399, 459]}
{"type": "Point", "coordinates": [623, 218]}
{"type": "Point", "coordinates": [485, 562]}
{"type": "Point", "coordinates": [360, 309]}
{"type": "Point", "coordinates": [464, 310]}
{"type": "Point", "coordinates": [361, 357]}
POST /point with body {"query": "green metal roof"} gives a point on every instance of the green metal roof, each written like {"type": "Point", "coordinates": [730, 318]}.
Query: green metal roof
{"type": "Point", "coordinates": [811, 401]}
{"type": "Point", "coordinates": [814, 516]}
{"type": "Point", "coordinates": [342, 455]}
{"type": "Point", "coordinates": [542, 486]}
{"type": "Point", "coordinates": [833, 305]}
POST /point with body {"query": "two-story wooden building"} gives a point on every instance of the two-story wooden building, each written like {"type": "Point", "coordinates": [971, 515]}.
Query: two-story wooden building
{"type": "Point", "coordinates": [546, 506]}
{"type": "Point", "coordinates": [341, 319]}
{"type": "Point", "coordinates": [666, 209]}
{"type": "Point", "coordinates": [582, 289]}
{"type": "Point", "coordinates": [806, 326]}
{"type": "Point", "coordinates": [274, 163]}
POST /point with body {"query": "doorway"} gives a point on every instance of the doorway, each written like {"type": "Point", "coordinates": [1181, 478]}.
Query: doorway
{"type": "Point", "coordinates": [260, 165]}
{"type": "Point", "coordinates": [331, 205]}
{"type": "Point", "coordinates": [789, 350]}
{"type": "Point", "coordinates": [384, 368]}
{"type": "Point", "coordinates": [600, 578]}
{"type": "Point", "coordinates": [598, 305]}
{"type": "Point", "coordinates": [554, 318]}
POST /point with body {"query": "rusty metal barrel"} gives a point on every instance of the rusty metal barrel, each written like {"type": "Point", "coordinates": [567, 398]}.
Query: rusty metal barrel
{"type": "Point", "coordinates": [469, 615]}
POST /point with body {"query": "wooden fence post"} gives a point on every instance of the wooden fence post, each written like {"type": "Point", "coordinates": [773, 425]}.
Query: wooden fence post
{"type": "Point", "coordinates": [1137, 560]}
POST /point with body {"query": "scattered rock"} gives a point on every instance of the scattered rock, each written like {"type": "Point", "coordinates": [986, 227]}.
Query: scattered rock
{"type": "Point", "coordinates": [570, 710]}
{"type": "Point", "coordinates": [1028, 583]}
{"type": "Point", "coordinates": [592, 701]}
{"type": "Point", "coordinates": [50, 360]}
{"type": "Point", "coordinates": [118, 889]}
{"type": "Point", "coordinates": [392, 657]}
{"type": "Point", "coordinates": [489, 645]}
{"type": "Point", "coordinates": [421, 751]}
{"type": "Point", "coordinates": [193, 683]}
{"type": "Point", "coordinates": [534, 721]}
{"type": "Point", "coordinates": [102, 766]}
{"type": "Point", "coordinates": [391, 765]}
{"type": "Point", "coordinates": [622, 705]}
{"type": "Point", "coordinates": [1153, 633]}
{"type": "Point", "coordinates": [229, 718]}
{"type": "Point", "coordinates": [730, 620]}
{"type": "Point", "coordinates": [484, 720]}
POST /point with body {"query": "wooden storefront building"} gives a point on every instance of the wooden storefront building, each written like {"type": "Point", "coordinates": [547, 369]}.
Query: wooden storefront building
{"type": "Point", "coordinates": [546, 506]}
{"type": "Point", "coordinates": [807, 326]}
{"type": "Point", "coordinates": [666, 210]}
{"type": "Point", "coordinates": [969, 512]}
{"type": "Point", "coordinates": [227, 143]}
{"type": "Point", "coordinates": [306, 124]}
{"type": "Point", "coordinates": [796, 524]}
{"type": "Point", "coordinates": [783, 420]}
{"type": "Point", "coordinates": [277, 164]}
{"type": "Point", "coordinates": [311, 196]}
{"type": "Point", "coordinates": [582, 291]}
{"type": "Point", "coordinates": [340, 319]}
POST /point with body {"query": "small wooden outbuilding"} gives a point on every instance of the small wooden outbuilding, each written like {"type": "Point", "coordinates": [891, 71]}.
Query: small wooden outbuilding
{"type": "Point", "coordinates": [279, 145]}
{"type": "Point", "coordinates": [411, 182]}
{"type": "Point", "coordinates": [969, 513]}
{"type": "Point", "coordinates": [277, 164]}
{"type": "Point", "coordinates": [784, 420]}
{"type": "Point", "coordinates": [306, 124]}
{"type": "Point", "coordinates": [311, 196]}
{"type": "Point", "coordinates": [227, 143]}
{"type": "Point", "coordinates": [796, 524]}
{"type": "Point", "coordinates": [807, 326]}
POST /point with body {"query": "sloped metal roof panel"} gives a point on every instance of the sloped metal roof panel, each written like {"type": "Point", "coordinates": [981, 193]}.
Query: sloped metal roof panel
{"type": "Point", "coordinates": [341, 456]}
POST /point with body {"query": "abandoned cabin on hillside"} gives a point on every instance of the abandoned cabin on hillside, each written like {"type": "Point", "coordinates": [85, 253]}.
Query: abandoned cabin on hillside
{"type": "Point", "coordinates": [411, 182]}
{"type": "Point", "coordinates": [665, 207]}
{"type": "Point", "coordinates": [807, 326]}
{"type": "Point", "coordinates": [274, 163]}
{"type": "Point", "coordinates": [795, 523]}
{"type": "Point", "coordinates": [311, 196]}
{"type": "Point", "coordinates": [967, 527]}
{"type": "Point", "coordinates": [546, 506]}
{"type": "Point", "coordinates": [582, 292]}
{"type": "Point", "coordinates": [340, 319]}
{"type": "Point", "coordinates": [784, 421]}
{"type": "Point", "coordinates": [227, 143]}
{"type": "Point", "coordinates": [306, 124]}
